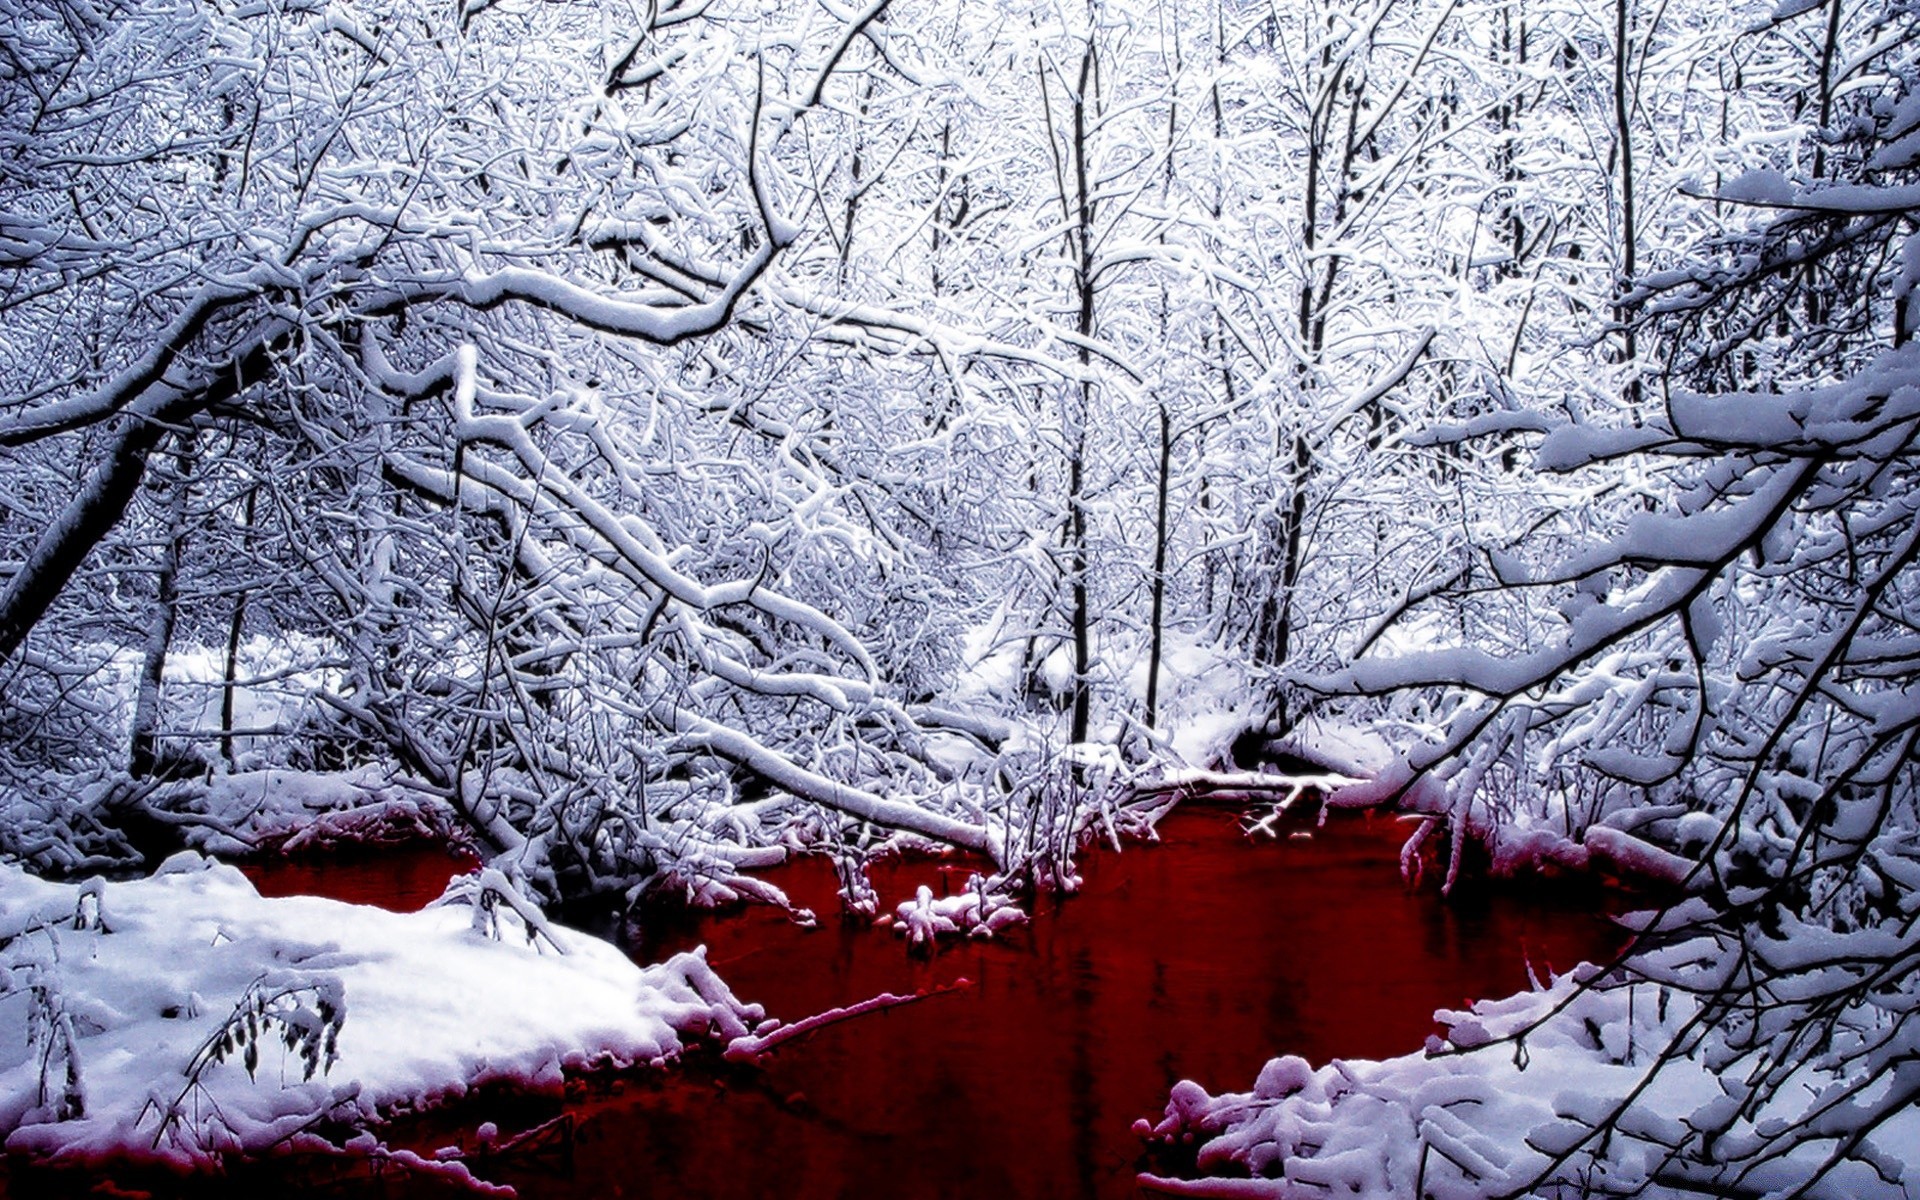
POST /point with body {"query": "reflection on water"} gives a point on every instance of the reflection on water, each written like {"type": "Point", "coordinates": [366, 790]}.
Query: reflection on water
{"type": "Point", "coordinates": [403, 880]}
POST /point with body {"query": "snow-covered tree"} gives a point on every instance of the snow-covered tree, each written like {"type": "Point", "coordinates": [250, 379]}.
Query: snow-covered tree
{"type": "Point", "coordinates": [1716, 682]}
{"type": "Point", "coordinates": [433, 285]}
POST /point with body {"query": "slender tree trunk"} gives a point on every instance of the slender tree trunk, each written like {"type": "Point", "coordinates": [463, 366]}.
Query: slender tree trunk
{"type": "Point", "coordinates": [1163, 482]}
{"type": "Point", "coordinates": [1293, 533]}
{"type": "Point", "coordinates": [855, 183]}
{"type": "Point", "coordinates": [937, 226]}
{"type": "Point", "coordinates": [1816, 303]}
{"type": "Point", "coordinates": [1074, 183]}
{"type": "Point", "coordinates": [1159, 584]}
{"type": "Point", "coordinates": [144, 757]}
{"type": "Point", "coordinates": [1629, 218]}
{"type": "Point", "coordinates": [1829, 46]}
{"type": "Point", "coordinates": [236, 623]}
{"type": "Point", "coordinates": [1211, 559]}
{"type": "Point", "coordinates": [1512, 51]}
{"type": "Point", "coordinates": [1317, 284]}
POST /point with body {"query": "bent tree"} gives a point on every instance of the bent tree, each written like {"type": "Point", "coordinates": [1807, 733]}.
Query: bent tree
{"type": "Point", "coordinates": [433, 292]}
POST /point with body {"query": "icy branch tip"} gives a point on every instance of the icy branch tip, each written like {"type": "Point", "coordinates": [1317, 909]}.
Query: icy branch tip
{"type": "Point", "coordinates": [751, 1048]}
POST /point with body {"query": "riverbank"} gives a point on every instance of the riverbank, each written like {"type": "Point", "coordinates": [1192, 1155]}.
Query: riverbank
{"type": "Point", "coordinates": [1178, 967]}
{"type": "Point", "coordinates": [182, 1020]}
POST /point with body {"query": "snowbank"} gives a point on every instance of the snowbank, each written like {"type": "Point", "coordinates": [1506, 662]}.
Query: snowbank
{"type": "Point", "coordinates": [1520, 1084]}
{"type": "Point", "coordinates": [182, 1014]}
{"type": "Point", "coordinates": [302, 810]}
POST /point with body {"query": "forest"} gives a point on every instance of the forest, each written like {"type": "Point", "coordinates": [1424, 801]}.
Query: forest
{"type": "Point", "coordinates": [640, 439]}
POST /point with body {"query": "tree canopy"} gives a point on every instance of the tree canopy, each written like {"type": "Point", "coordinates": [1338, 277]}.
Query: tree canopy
{"type": "Point", "coordinates": [670, 431]}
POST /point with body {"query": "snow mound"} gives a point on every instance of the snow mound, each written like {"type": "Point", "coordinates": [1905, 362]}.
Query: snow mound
{"type": "Point", "coordinates": [1521, 1089]}
{"type": "Point", "coordinates": [302, 810]}
{"type": "Point", "coordinates": [183, 1015]}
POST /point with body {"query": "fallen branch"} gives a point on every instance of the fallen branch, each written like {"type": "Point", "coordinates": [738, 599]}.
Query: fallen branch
{"type": "Point", "coordinates": [752, 1047]}
{"type": "Point", "coordinates": [1236, 784]}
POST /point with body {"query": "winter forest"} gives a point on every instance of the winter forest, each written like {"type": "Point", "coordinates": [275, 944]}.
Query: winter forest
{"type": "Point", "coordinates": [642, 441]}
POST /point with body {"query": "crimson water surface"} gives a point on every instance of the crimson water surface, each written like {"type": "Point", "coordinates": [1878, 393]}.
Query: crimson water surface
{"type": "Point", "coordinates": [1198, 958]}
{"type": "Point", "coordinates": [404, 880]}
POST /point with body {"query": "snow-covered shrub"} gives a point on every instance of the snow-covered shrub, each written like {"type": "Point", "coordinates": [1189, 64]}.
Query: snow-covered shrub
{"type": "Point", "coordinates": [979, 910]}
{"type": "Point", "coordinates": [66, 824]}
{"type": "Point", "coordinates": [60, 1090]}
{"type": "Point", "coordinates": [303, 1010]}
{"type": "Point", "coordinates": [488, 892]}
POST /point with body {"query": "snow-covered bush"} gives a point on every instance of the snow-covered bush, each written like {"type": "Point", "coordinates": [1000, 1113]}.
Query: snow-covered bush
{"type": "Point", "coordinates": [303, 1010]}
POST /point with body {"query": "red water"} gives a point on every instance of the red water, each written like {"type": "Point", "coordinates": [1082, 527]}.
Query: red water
{"type": "Point", "coordinates": [402, 880]}
{"type": "Point", "coordinates": [1197, 958]}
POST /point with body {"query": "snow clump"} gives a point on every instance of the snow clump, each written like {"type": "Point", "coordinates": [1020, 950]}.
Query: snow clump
{"type": "Point", "coordinates": [977, 911]}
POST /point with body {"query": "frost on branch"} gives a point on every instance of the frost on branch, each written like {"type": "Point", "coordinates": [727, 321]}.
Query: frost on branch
{"type": "Point", "coordinates": [424, 345]}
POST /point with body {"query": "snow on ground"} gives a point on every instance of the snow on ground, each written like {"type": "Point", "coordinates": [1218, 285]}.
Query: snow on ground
{"type": "Point", "coordinates": [1359, 751]}
{"type": "Point", "coordinates": [1207, 694]}
{"type": "Point", "coordinates": [298, 810]}
{"type": "Point", "coordinates": [1484, 1113]}
{"type": "Point", "coordinates": [1208, 698]}
{"type": "Point", "coordinates": [276, 678]}
{"type": "Point", "coordinates": [177, 1015]}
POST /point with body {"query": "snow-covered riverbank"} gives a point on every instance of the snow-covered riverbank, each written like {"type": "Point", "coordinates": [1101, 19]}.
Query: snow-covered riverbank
{"type": "Point", "coordinates": [1623, 1086]}
{"type": "Point", "coordinates": [178, 1015]}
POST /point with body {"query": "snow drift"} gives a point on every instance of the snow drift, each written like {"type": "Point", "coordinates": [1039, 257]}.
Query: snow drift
{"type": "Point", "coordinates": [182, 1015]}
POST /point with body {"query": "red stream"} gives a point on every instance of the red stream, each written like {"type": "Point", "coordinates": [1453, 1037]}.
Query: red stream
{"type": "Point", "coordinates": [404, 880]}
{"type": "Point", "coordinates": [1196, 958]}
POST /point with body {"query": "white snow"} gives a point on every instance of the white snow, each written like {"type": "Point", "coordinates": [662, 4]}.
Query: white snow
{"type": "Point", "coordinates": [1483, 1113]}
{"type": "Point", "coordinates": [977, 911]}
{"type": "Point", "coordinates": [1341, 748]}
{"type": "Point", "coordinates": [294, 810]}
{"type": "Point", "coordinates": [107, 1014]}
{"type": "Point", "coordinates": [1768, 187]}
